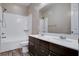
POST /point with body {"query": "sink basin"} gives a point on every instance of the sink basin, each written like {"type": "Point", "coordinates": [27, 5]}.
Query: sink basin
{"type": "Point", "coordinates": [71, 40]}
{"type": "Point", "coordinates": [51, 37]}
{"type": "Point", "coordinates": [58, 38]}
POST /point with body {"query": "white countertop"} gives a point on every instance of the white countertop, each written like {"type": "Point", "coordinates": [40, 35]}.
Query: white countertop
{"type": "Point", "coordinates": [66, 43]}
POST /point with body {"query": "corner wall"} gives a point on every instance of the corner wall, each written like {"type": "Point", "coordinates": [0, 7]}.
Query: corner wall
{"type": "Point", "coordinates": [35, 18]}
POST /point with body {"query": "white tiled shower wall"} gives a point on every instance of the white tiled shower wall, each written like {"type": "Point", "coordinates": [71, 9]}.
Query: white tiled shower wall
{"type": "Point", "coordinates": [13, 43]}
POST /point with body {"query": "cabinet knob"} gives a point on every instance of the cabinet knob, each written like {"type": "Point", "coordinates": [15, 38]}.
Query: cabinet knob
{"type": "Point", "coordinates": [26, 30]}
{"type": "Point", "coordinates": [42, 50]}
{"type": "Point", "coordinates": [71, 31]}
{"type": "Point", "coordinates": [3, 33]}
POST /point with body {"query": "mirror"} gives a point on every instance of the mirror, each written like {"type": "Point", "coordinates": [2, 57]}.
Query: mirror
{"type": "Point", "coordinates": [57, 18]}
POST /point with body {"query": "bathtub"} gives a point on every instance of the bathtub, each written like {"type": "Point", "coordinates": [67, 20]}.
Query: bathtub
{"type": "Point", "coordinates": [11, 44]}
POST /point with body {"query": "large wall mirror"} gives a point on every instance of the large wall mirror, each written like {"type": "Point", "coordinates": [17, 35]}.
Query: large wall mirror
{"type": "Point", "coordinates": [58, 17]}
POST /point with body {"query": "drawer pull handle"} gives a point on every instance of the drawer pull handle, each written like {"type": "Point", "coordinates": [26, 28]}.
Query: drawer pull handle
{"type": "Point", "coordinates": [4, 37]}
{"type": "Point", "coordinates": [42, 50]}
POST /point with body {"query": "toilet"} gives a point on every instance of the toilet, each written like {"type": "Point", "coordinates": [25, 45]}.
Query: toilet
{"type": "Point", "coordinates": [24, 46]}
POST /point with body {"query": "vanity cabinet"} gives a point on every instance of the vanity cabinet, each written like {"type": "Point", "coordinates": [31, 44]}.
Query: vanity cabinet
{"type": "Point", "coordinates": [31, 47]}
{"type": "Point", "coordinates": [43, 48]}
{"type": "Point", "coordinates": [38, 47]}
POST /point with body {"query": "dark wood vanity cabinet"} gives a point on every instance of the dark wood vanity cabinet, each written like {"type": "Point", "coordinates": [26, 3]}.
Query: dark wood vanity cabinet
{"type": "Point", "coordinates": [43, 48]}
{"type": "Point", "coordinates": [39, 47]}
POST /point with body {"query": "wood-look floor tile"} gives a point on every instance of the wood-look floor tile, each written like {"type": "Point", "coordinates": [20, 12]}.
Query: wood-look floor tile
{"type": "Point", "coordinates": [4, 54]}
{"type": "Point", "coordinates": [10, 53]}
{"type": "Point", "coordinates": [16, 52]}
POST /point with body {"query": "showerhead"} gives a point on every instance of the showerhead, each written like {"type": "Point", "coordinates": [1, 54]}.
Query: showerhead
{"type": "Point", "coordinates": [4, 9]}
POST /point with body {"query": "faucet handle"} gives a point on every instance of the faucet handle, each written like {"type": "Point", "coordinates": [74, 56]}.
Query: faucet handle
{"type": "Point", "coordinates": [26, 30]}
{"type": "Point", "coordinates": [4, 37]}
{"type": "Point", "coordinates": [3, 33]}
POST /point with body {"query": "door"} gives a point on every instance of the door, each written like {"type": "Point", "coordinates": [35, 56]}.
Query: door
{"type": "Point", "coordinates": [14, 30]}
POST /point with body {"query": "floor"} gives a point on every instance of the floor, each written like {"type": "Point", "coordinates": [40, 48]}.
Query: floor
{"type": "Point", "coordinates": [16, 52]}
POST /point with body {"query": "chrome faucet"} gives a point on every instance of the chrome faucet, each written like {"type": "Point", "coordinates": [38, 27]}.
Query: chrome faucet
{"type": "Point", "coordinates": [62, 37]}
{"type": "Point", "coordinates": [42, 34]}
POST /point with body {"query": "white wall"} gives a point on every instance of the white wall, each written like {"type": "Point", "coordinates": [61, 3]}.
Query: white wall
{"type": "Point", "coordinates": [34, 11]}
{"type": "Point", "coordinates": [0, 17]}
{"type": "Point", "coordinates": [75, 18]}
{"type": "Point", "coordinates": [0, 24]}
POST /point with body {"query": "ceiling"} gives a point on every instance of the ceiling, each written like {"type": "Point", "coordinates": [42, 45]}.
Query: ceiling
{"type": "Point", "coordinates": [23, 4]}
{"type": "Point", "coordinates": [20, 4]}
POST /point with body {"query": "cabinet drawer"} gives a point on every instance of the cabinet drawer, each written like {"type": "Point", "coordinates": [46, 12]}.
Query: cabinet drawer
{"type": "Point", "coordinates": [43, 51]}
{"type": "Point", "coordinates": [44, 44]}
{"type": "Point", "coordinates": [53, 54]}
{"type": "Point", "coordinates": [36, 41]}
{"type": "Point", "coordinates": [31, 48]}
{"type": "Point", "coordinates": [31, 39]}
{"type": "Point", "coordinates": [55, 48]}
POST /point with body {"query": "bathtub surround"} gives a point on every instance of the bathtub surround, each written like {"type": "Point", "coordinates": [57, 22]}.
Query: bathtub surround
{"type": "Point", "coordinates": [18, 27]}
{"type": "Point", "coordinates": [15, 34]}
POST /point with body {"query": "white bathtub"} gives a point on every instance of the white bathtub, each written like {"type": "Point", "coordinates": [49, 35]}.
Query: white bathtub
{"type": "Point", "coordinates": [11, 44]}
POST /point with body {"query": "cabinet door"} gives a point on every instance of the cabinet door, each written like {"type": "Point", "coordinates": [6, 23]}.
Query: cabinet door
{"type": "Point", "coordinates": [36, 47]}
{"type": "Point", "coordinates": [43, 48]}
{"type": "Point", "coordinates": [31, 48]}
{"type": "Point", "coordinates": [44, 44]}
{"type": "Point", "coordinates": [43, 51]}
{"type": "Point", "coordinates": [31, 39]}
{"type": "Point", "coordinates": [56, 49]}
{"type": "Point", "coordinates": [53, 54]}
